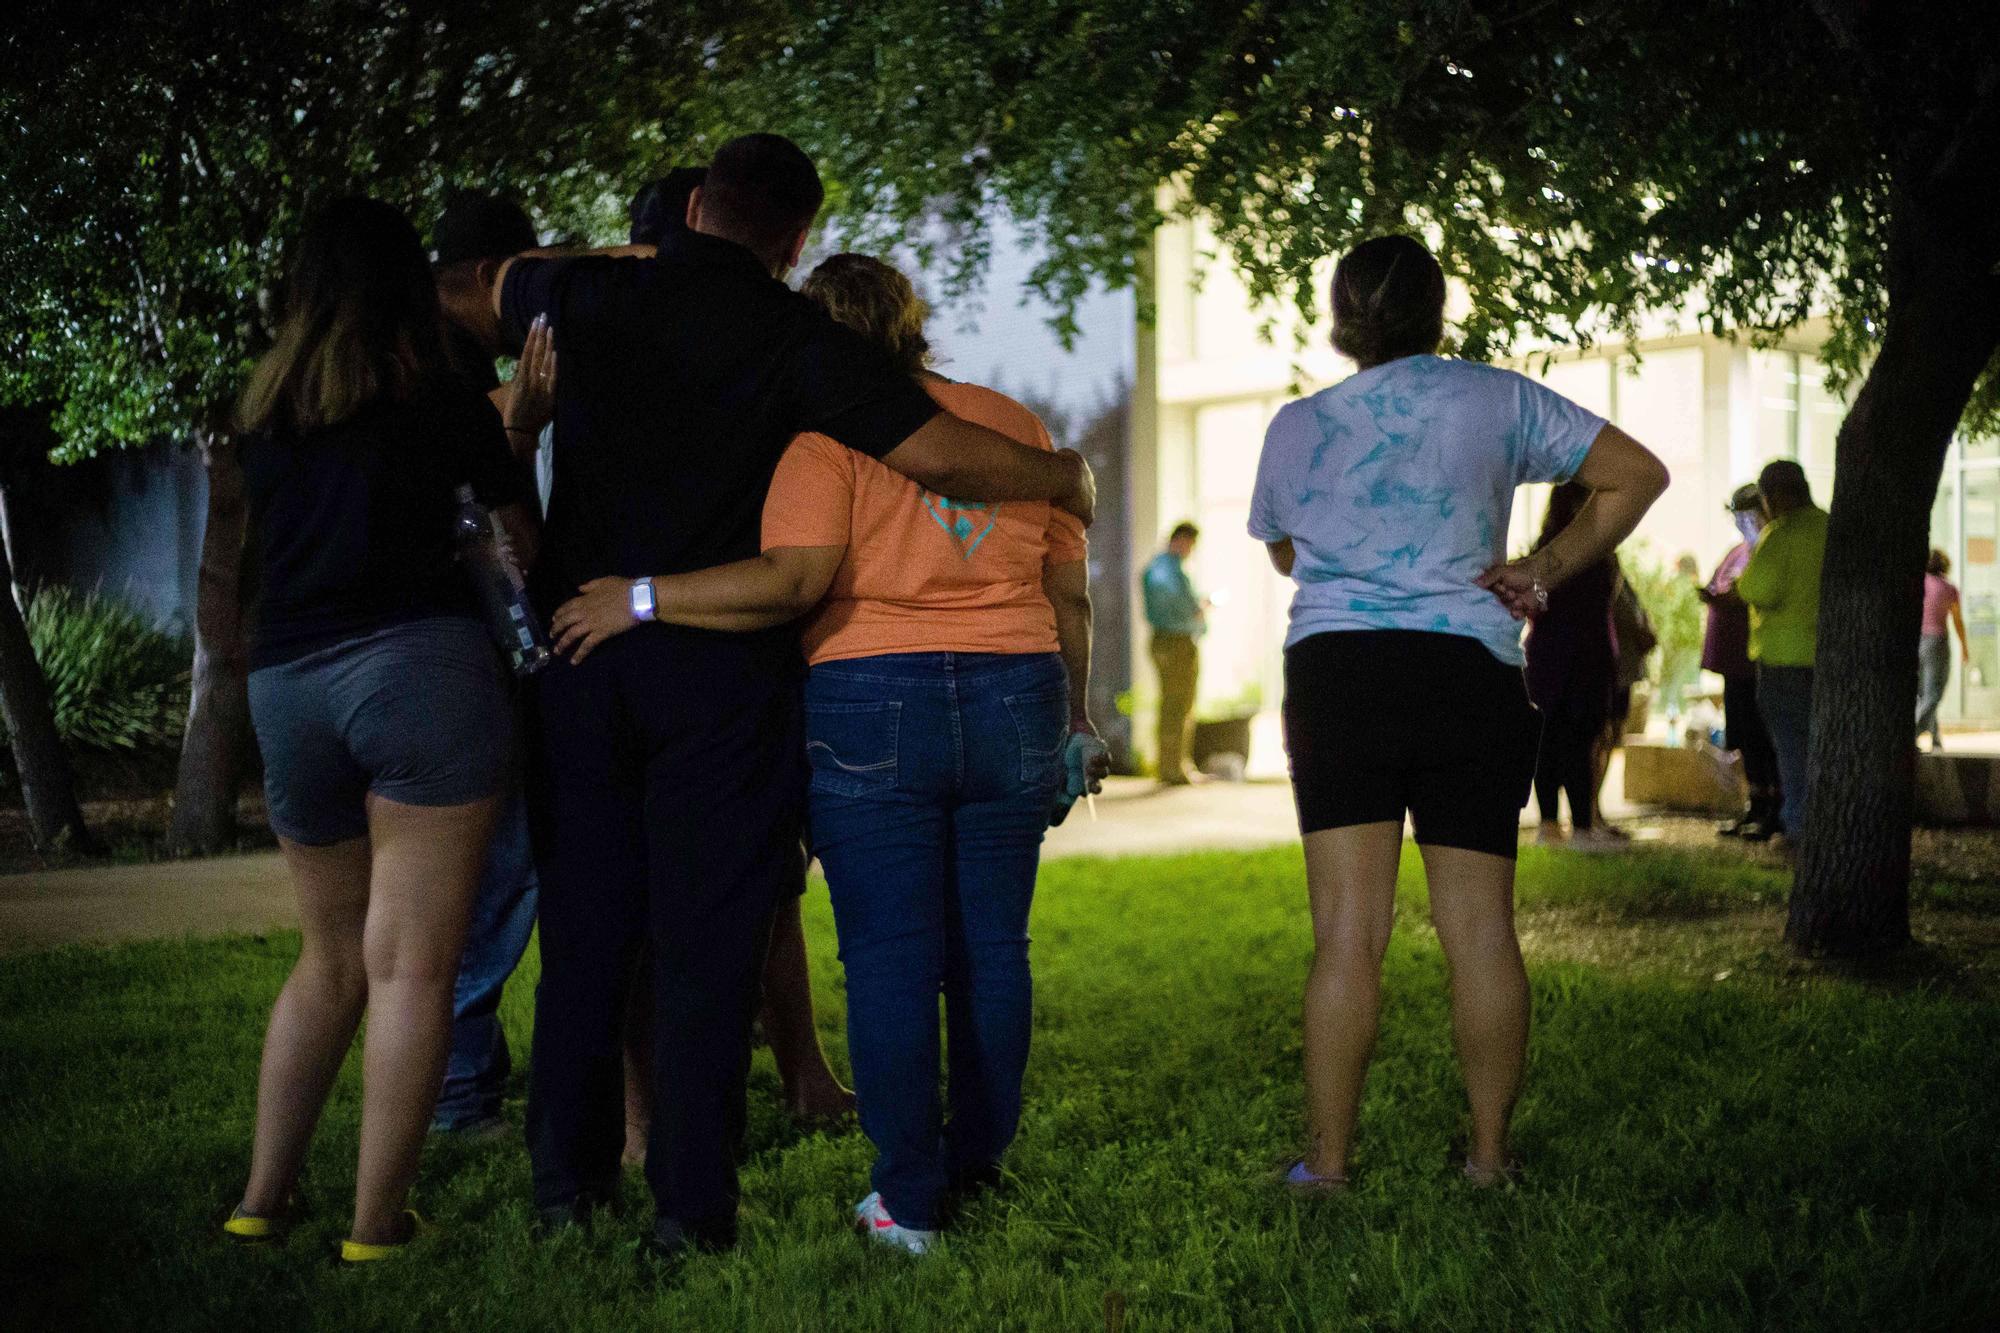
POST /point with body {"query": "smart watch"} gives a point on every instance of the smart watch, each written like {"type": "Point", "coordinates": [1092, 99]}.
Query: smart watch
{"type": "Point", "coordinates": [642, 599]}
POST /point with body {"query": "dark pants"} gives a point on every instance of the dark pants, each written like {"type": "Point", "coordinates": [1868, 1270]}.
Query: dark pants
{"type": "Point", "coordinates": [1567, 760]}
{"type": "Point", "coordinates": [1748, 735]}
{"type": "Point", "coordinates": [1784, 694]}
{"type": "Point", "coordinates": [932, 777]}
{"type": "Point", "coordinates": [503, 919]}
{"type": "Point", "coordinates": [669, 793]}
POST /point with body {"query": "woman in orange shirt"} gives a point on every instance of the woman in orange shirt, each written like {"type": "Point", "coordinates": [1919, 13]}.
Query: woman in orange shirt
{"type": "Point", "coordinates": [945, 711]}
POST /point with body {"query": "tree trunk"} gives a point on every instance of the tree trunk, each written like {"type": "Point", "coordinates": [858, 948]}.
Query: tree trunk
{"type": "Point", "coordinates": [218, 726]}
{"type": "Point", "coordinates": [7, 548]}
{"type": "Point", "coordinates": [48, 786]}
{"type": "Point", "coordinates": [1851, 896]}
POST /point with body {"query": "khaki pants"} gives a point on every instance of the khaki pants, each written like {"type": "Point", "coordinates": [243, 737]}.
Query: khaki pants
{"type": "Point", "coordinates": [1179, 665]}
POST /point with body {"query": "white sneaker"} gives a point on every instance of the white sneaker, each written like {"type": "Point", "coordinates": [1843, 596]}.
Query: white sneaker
{"type": "Point", "coordinates": [873, 1219]}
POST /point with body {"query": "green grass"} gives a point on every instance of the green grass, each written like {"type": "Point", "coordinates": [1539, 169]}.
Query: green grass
{"type": "Point", "coordinates": [1770, 1150]}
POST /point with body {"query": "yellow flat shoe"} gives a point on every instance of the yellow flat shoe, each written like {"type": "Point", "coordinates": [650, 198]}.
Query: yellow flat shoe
{"type": "Point", "coordinates": [249, 1229]}
{"type": "Point", "coordinates": [356, 1252]}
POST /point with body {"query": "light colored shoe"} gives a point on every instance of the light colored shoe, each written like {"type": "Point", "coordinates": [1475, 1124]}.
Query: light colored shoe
{"type": "Point", "coordinates": [1303, 1181]}
{"type": "Point", "coordinates": [872, 1218]}
{"type": "Point", "coordinates": [249, 1229]}
{"type": "Point", "coordinates": [1549, 835]}
{"type": "Point", "coordinates": [1593, 840]}
{"type": "Point", "coordinates": [359, 1252]}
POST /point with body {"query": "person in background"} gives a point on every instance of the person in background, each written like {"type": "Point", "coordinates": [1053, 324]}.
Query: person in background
{"type": "Point", "coordinates": [669, 788]}
{"type": "Point", "coordinates": [473, 235]}
{"type": "Point", "coordinates": [659, 210]}
{"type": "Point", "coordinates": [1725, 650]}
{"type": "Point", "coordinates": [1386, 499]}
{"type": "Point", "coordinates": [1632, 642]}
{"type": "Point", "coordinates": [1178, 619]}
{"type": "Point", "coordinates": [813, 1093]}
{"type": "Point", "coordinates": [1572, 679]}
{"type": "Point", "coordinates": [376, 696]}
{"type": "Point", "coordinates": [1941, 602]}
{"type": "Point", "coordinates": [1780, 584]}
{"type": "Point", "coordinates": [950, 665]}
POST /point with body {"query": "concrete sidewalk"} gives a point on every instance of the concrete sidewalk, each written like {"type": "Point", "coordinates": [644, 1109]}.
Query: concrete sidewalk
{"type": "Point", "coordinates": [250, 893]}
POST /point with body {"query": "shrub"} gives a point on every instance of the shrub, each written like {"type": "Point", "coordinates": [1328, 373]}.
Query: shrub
{"type": "Point", "coordinates": [1671, 600]}
{"type": "Point", "coordinates": [118, 684]}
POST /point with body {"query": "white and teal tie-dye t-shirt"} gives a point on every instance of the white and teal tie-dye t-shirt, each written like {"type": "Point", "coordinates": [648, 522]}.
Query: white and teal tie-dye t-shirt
{"type": "Point", "coordinates": [1395, 486]}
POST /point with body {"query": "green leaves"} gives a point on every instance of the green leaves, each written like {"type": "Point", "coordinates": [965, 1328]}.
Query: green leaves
{"type": "Point", "coordinates": [167, 154]}
{"type": "Point", "coordinates": [1573, 164]}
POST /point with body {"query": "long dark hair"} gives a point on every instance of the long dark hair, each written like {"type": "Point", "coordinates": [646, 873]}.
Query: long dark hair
{"type": "Point", "coordinates": [361, 322]}
{"type": "Point", "coordinates": [1388, 301]}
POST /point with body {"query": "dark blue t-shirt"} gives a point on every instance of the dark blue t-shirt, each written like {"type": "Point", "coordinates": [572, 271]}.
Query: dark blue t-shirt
{"type": "Point", "coordinates": [351, 526]}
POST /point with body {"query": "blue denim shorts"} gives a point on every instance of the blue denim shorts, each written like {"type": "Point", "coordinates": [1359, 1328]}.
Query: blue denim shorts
{"type": "Point", "coordinates": [415, 712]}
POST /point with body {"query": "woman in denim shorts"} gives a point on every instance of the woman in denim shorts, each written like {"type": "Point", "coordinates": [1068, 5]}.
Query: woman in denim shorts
{"type": "Point", "coordinates": [376, 696]}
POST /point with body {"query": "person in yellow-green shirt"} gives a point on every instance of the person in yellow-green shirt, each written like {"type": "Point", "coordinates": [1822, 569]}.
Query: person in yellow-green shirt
{"type": "Point", "coordinates": [1781, 587]}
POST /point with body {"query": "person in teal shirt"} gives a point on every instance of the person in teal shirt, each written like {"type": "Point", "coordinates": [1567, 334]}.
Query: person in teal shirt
{"type": "Point", "coordinates": [1781, 587]}
{"type": "Point", "coordinates": [1177, 617]}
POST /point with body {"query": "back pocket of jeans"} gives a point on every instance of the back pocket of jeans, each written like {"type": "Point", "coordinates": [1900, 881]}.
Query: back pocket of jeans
{"type": "Point", "coordinates": [1040, 721]}
{"type": "Point", "coordinates": [852, 747]}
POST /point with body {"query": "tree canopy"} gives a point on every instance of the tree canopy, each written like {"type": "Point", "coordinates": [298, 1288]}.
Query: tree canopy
{"type": "Point", "coordinates": [1578, 164]}
{"type": "Point", "coordinates": [157, 157]}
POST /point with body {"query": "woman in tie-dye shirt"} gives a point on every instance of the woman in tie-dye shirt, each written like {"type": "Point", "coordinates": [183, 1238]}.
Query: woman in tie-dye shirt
{"type": "Point", "coordinates": [1385, 498]}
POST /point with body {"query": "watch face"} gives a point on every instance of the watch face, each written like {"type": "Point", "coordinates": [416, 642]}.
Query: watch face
{"type": "Point", "coordinates": [642, 599]}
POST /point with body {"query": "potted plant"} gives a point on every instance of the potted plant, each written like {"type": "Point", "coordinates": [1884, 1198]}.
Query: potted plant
{"type": "Point", "coordinates": [1222, 727]}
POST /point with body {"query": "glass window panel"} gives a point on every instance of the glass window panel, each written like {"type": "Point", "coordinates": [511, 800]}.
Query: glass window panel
{"type": "Point", "coordinates": [1978, 579]}
{"type": "Point", "coordinates": [1774, 383]}
{"type": "Point", "coordinates": [1660, 403]}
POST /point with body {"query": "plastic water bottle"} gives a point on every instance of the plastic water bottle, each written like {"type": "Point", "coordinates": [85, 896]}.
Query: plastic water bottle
{"type": "Point", "coordinates": [502, 595]}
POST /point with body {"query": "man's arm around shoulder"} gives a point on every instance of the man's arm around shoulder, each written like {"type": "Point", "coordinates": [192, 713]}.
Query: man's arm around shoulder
{"type": "Point", "coordinates": [952, 456]}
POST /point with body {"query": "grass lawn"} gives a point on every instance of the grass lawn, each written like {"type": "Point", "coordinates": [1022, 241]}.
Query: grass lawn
{"type": "Point", "coordinates": [1734, 1143]}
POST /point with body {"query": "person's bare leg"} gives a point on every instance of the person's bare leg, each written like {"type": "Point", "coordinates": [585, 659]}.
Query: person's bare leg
{"type": "Point", "coordinates": [426, 869]}
{"type": "Point", "coordinates": [812, 1093]}
{"type": "Point", "coordinates": [313, 1021]}
{"type": "Point", "coordinates": [1472, 906]}
{"type": "Point", "coordinates": [1351, 879]}
{"type": "Point", "coordinates": [639, 1061]}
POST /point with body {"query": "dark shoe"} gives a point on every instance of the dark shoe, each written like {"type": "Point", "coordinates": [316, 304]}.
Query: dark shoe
{"type": "Point", "coordinates": [477, 1129]}
{"type": "Point", "coordinates": [673, 1242]}
{"type": "Point", "coordinates": [557, 1217]}
{"type": "Point", "coordinates": [1760, 830]}
{"type": "Point", "coordinates": [1734, 827]}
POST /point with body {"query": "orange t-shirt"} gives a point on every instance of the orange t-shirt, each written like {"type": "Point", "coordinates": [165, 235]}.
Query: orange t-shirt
{"type": "Point", "coordinates": [923, 573]}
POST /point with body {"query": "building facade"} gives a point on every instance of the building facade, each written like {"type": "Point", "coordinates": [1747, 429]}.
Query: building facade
{"type": "Point", "coordinates": [1213, 369]}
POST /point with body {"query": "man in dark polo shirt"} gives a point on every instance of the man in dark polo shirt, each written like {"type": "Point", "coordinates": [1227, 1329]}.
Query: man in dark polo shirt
{"type": "Point", "coordinates": [671, 771]}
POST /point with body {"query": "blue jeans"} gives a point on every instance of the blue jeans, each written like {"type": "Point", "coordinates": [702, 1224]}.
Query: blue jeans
{"type": "Point", "coordinates": [1784, 696]}
{"type": "Point", "coordinates": [932, 779]}
{"type": "Point", "coordinates": [503, 917]}
{"type": "Point", "coordinates": [1933, 675]}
